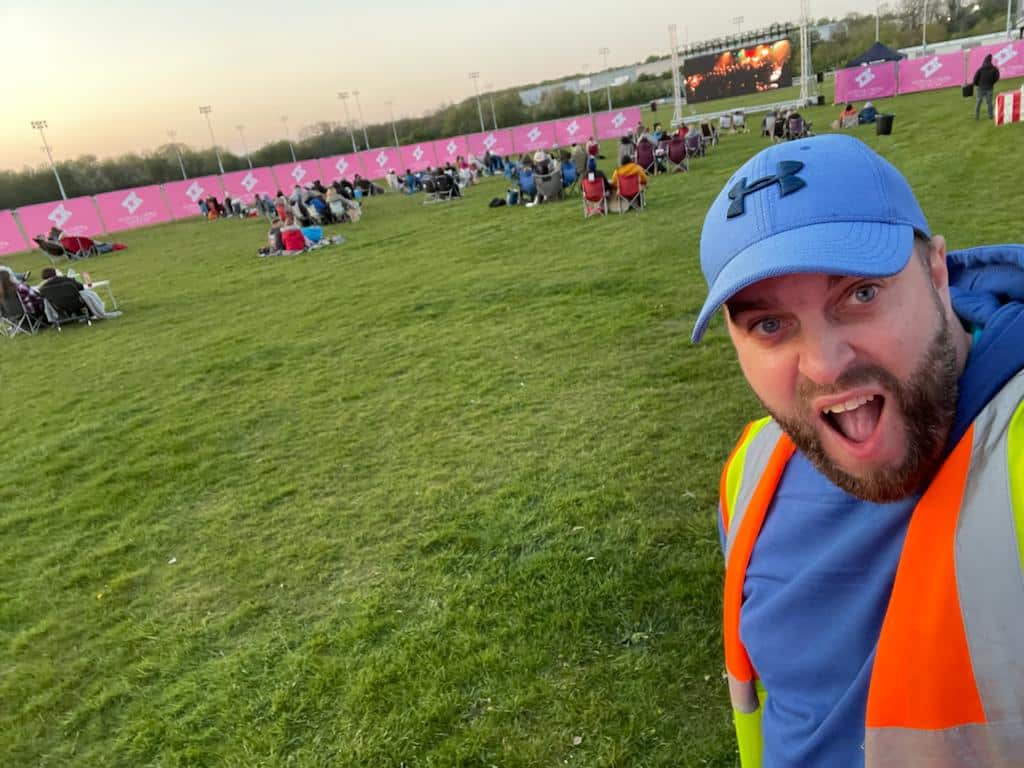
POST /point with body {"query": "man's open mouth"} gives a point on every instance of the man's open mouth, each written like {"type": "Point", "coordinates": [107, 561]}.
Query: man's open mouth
{"type": "Point", "coordinates": [856, 418]}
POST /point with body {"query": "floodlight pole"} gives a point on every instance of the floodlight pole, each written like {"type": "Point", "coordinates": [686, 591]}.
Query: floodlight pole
{"type": "Point", "coordinates": [924, 27]}
{"type": "Point", "coordinates": [490, 95]}
{"type": "Point", "coordinates": [585, 85]}
{"type": "Point", "coordinates": [173, 135]}
{"type": "Point", "coordinates": [677, 78]}
{"type": "Point", "coordinates": [877, 22]}
{"type": "Point", "coordinates": [362, 122]}
{"type": "Point", "coordinates": [206, 111]}
{"type": "Point", "coordinates": [40, 125]}
{"type": "Point", "coordinates": [1009, 19]}
{"type": "Point", "coordinates": [394, 130]}
{"type": "Point", "coordinates": [474, 76]}
{"type": "Point", "coordinates": [241, 133]}
{"type": "Point", "coordinates": [604, 51]}
{"type": "Point", "coordinates": [738, 21]}
{"type": "Point", "coordinates": [343, 96]}
{"type": "Point", "coordinates": [288, 136]}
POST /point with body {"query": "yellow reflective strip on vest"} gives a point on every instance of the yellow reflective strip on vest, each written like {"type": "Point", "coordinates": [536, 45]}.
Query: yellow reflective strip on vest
{"type": "Point", "coordinates": [748, 732]}
{"type": "Point", "coordinates": [1015, 461]}
{"type": "Point", "coordinates": [734, 474]}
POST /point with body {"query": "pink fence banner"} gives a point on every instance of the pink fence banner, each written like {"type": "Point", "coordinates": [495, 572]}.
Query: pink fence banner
{"type": "Point", "coordinates": [617, 123]}
{"type": "Point", "coordinates": [76, 216]}
{"type": "Point", "coordinates": [183, 196]}
{"type": "Point", "coordinates": [11, 240]}
{"type": "Point", "coordinates": [449, 150]}
{"type": "Point", "coordinates": [928, 73]}
{"type": "Point", "coordinates": [378, 162]}
{"type": "Point", "coordinates": [533, 136]}
{"type": "Point", "coordinates": [498, 142]}
{"type": "Point", "coordinates": [1009, 57]}
{"type": "Point", "coordinates": [416, 157]}
{"type": "Point", "coordinates": [303, 173]}
{"type": "Point", "coordinates": [131, 208]}
{"type": "Point", "coordinates": [339, 167]}
{"type": "Point", "coordinates": [876, 81]}
{"type": "Point", "coordinates": [242, 185]}
{"type": "Point", "coordinates": [573, 130]}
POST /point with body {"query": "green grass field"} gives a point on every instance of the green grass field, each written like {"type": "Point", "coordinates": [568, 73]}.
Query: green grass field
{"type": "Point", "coordinates": [442, 496]}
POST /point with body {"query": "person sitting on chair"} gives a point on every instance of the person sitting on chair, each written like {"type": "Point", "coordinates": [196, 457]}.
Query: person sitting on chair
{"type": "Point", "coordinates": [596, 173]}
{"type": "Point", "coordinates": [90, 298]}
{"type": "Point", "coordinates": [628, 168]}
{"type": "Point", "coordinates": [847, 116]}
{"type": "Point", "coordinates": [10, 287]}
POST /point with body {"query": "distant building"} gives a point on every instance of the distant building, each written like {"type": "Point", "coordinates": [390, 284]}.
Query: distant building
{"type": "Point", "coordinates": [827, 32]}
{"type": "Point", "coordinates": [598, 81]}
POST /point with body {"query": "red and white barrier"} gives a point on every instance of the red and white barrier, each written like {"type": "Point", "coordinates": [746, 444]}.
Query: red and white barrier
{"type": "Point", "coordinates": [1008, 107]}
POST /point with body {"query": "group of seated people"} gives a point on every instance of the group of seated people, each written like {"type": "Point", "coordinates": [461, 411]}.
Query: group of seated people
{"type": "Point", "coordinates": [449, 179]}
{"type": "Point", "coordinates": [288, 236]}
{"type": "Point", "coordinates": [850, 117]}
{"type": "Point", "coordinates": [60, 245]}
{"type": "Point", "coordinates": [317, 204]}
{"type": "Point", "coordinates": [15, 290]}
{"type": "Point", "coordinates": [785, 125]}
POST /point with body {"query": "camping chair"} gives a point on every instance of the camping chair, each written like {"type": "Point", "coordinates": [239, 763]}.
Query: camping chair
{"type": "Point", "coordinates": [645, 156]}
{"type": "Point", "coordinates": [725, 123]}
{"type": "Point", "coordinates": [708, 134]}
{"type": "Point", "coordinates": [850, 121]}
{"type": "Point", "coordinates": [527, 184]}
{"type": "Point", "coordinates": [79, 247]}
{"type": "Point", "coordinates": [739, 122]}
{"type": "Point", "coordinates": [675, 156]}
{"type": "Point", "coordinates": [15, 317]}
{"type": "Point", "coordinates": [64, 304]}
{"type": "Point", "coordinates": [632, 192]}
{"type": "Point", "coordinates": [694, 144]}
{"type": "Point", "coordinates": [53, 250]}
{"type": "Point", "coordinates": [570, 177]}
{"type": "Point", "coordinates": [549, 185]}
{"type": "Point", "coordinates": [429, 190]}
{"type": "Point", "coordinates": [594, 201]}
{"type": "Point", "coordinates": [628, 148]}
{"type": "Point", "coordinates": [768, 127]}
{"type": "Point", "coordinates": [445, 188]}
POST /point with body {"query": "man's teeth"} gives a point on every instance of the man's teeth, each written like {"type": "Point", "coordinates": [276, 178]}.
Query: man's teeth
{"type": "Point", "coordinates": [849, 405]}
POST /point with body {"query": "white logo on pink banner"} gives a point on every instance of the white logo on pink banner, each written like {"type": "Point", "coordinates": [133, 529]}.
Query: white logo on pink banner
{"type": "Point", "coordinates": [534, 134]}
{"type": "Point", "coordinates": [60, 216]}
{"type": "Point", "coordinates": [931, 66]}
{"type": "Point", "coordinates": [490, 141]}
{"type": "Point", "coordinates": [1003, 55]}
{"type": "Point", "coordinates": [341, 166]}
{"type": "Point", "coordinates": [298, 173]}
{"type": "Point", "coordinates": [194, 191]}
{"type": "Point", "coordinates": [249, 181]}
{"type": "Point", "coordinates": [451, 147]}
{"type": "Point", "coordinates": [381, 160]}
{"type": "Point", "coordinates": [418, 153]}
{"type": "Point", "coordinates": [573, 128]}
{"type": "Point", "coordinates": [619, 120]}
{"type": "Point", "coordinates": [131, 203]}
{"type": "Point", "coordinates": [864, 78]}
{"type": "Point", "coordinates": [614, 124]}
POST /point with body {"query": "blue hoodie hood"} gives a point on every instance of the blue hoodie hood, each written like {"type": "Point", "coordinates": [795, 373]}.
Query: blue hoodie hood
{"type": "Point", "coordinates": [987, 290]}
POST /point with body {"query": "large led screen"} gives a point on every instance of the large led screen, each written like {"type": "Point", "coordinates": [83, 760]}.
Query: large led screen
{"type": "Point", "coordinates": [760, 67]}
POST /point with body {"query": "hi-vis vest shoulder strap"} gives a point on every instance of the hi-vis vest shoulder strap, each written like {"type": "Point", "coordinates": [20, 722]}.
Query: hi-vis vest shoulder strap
{"type": "Point", "coordinates": [947, 687]}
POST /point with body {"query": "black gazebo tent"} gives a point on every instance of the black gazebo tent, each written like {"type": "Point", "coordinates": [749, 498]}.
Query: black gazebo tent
{"type": "Point", "coordinates": [875, 54]}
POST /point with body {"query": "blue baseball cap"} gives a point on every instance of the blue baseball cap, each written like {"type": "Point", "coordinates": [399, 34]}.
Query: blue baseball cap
{"type": "Point", "coordinates": [827, 204]}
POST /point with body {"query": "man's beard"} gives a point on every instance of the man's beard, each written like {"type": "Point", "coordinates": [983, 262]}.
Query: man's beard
{"type": "Point", "coordinates": [926, 402]}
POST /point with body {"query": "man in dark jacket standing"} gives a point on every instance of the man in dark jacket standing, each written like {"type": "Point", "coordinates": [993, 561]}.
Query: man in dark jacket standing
{"type": "Point", "coordinates": [985, 80]}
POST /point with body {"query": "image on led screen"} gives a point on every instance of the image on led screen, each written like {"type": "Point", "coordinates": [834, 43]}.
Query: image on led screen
{"type": "Point", "coordinates": [761, 67]}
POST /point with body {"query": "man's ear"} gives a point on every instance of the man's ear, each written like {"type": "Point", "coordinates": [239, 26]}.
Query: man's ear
{"type": "Point", "coordinates": [937, 263]}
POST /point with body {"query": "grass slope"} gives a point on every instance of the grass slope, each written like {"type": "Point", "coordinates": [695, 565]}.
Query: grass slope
{"type": "Point", "coordinates": [442, 496]}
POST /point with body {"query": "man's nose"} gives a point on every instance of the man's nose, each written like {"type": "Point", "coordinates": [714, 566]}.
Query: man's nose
{"type": "Point", "coordinates": [824, 357]}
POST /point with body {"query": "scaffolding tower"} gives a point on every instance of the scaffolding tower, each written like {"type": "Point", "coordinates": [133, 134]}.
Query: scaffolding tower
{"type": "Point", "coordinates": [679, 98]}
{"type": "Point", "coordinates": [808, 80]}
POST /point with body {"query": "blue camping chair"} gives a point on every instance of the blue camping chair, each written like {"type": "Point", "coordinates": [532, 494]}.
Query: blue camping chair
{"type": "Point", "coordinates": [569, 177]}
{"type": "Point", "coordinates": [527, 185]}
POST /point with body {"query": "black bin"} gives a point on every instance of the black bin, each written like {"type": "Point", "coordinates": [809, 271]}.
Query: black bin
{"type": "Point", "coordinates": [968, 90]}
{"type": "Point", "coordinates": [883, 125]}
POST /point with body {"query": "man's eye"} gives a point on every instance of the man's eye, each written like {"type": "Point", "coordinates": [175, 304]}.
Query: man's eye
{"type": "Point", "coordinates": [865, 293]}
{"type": "Point", "coordinates": [768, 326]}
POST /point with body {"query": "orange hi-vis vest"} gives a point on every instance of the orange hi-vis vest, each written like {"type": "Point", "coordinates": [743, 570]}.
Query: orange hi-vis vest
{"type": "Point", "coordinates": [947, 687]}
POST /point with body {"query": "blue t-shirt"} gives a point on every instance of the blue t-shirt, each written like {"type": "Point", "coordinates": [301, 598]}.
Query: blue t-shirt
{"type": "Point", "coordinates": [819, 582]}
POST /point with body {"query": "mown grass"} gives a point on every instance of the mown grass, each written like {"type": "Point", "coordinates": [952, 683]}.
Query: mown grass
{"type": "Point", "coordinates": [442, 496]}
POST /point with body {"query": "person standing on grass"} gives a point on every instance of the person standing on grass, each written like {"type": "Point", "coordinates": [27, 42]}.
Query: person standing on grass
{"type": "Point", "coordinates": [985, 80]}
{"type": "Point", "coordinates": [873, 524]}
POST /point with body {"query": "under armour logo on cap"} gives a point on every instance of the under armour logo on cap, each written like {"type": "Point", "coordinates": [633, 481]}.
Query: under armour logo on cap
{"type": "Point", "coordinates": [785, 176]}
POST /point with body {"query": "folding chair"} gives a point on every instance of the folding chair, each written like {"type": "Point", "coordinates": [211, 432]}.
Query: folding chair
{"type": "Point", "coordinates": [570, 178]}
{"type": "Point", "coordinates": [15, 317]}
{"type": "Point", "coordinates": [64, 304]}
{"type": "Point", "coordinates": [445, 186]}
{"type": "Point", "coordinates": [694, 144]}
{"type": "Point", "coordinates": [850, 121]}
{"type": "Point", "coordinates": [768, 127]}
{"type": "Point", "coordinates": [739, 122]}
{"type": "Point", "coordinates": [527, 184]}
{"type": "Point", "coordinates": [594, 201]}
{"type": "Point", "coordinates": [632, 192]}
{"type": "Point", "coordinates": [79, 247]}
{"type": "Point", "coordinates": [429, 190]}
{"type": "Point", "coordinates": [675, 155]}
{"type": "Point", "coordinates": [645, 156]}
{"type": "Point", "coordinates": [725, 123]}
{"type": "Point", "coordinates": [549, 185]}
{"type": "Point", "coordinates": [709, 135]}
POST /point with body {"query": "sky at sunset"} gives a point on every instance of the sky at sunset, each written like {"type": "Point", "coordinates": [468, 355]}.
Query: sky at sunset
{"type": "Point", "coordinates": [116, 77]}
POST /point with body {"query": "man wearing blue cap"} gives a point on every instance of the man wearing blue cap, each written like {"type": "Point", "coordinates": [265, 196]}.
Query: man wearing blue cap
{"type": "Point", "coordinates": [873, 524]}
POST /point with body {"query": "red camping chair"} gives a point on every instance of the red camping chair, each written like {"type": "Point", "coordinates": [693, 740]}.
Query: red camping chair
{"type": "Point", "coordinates": [645, 156]}
{"type": "Point", "coordinates": [694, 144]}
{"type": "Point", "coordinates": [78, 247]}
{"type": "Point", "coordinates": [594, 201]}
{"type": "Point", "coordinates": [632, 192]}
{"type": "Point", "coordinates": [676, 154]}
